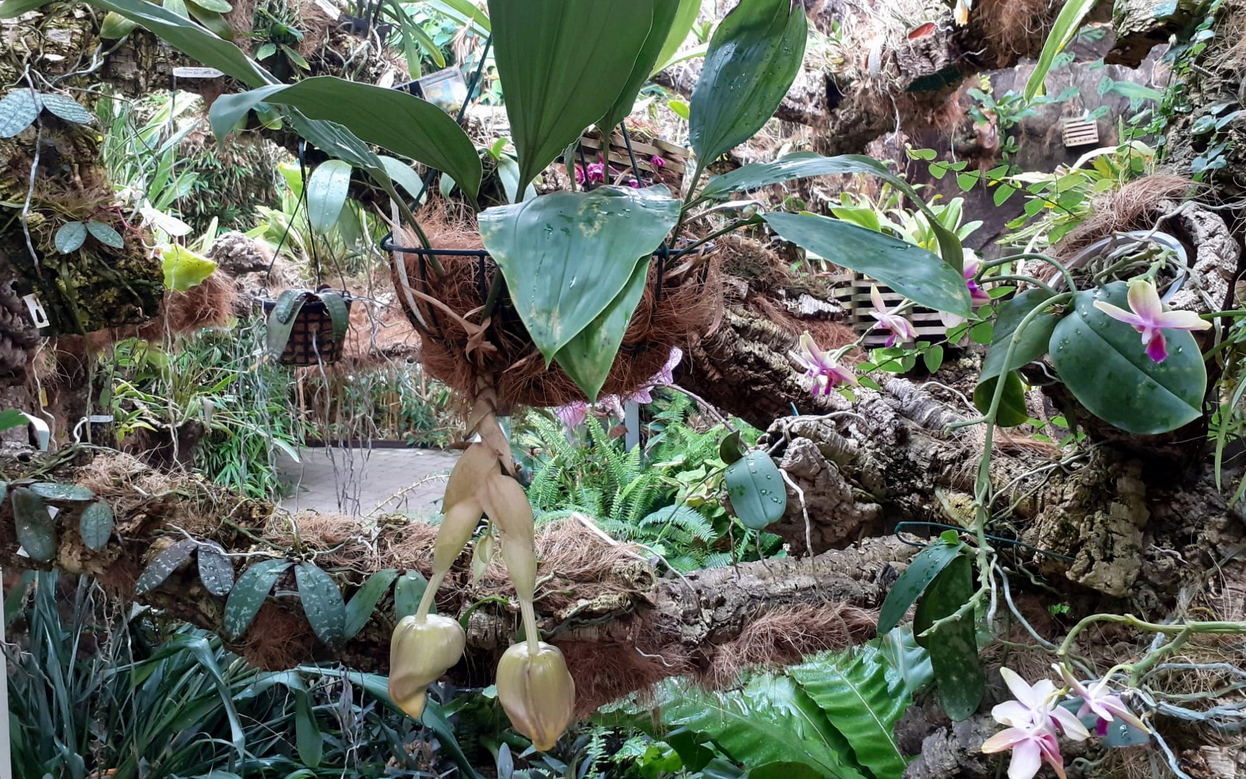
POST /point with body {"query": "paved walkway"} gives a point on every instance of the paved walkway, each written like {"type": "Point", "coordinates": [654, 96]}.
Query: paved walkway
{"type": "Point", "coordinates": [366, 481]}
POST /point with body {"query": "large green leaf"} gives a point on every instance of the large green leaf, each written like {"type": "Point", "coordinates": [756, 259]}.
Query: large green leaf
{"type": "Point", "coordinates": [563, 65]}
{"type": "Point", "coordinates": [390, 118]}
{"type": "Point", "coordinates": [1062, 32]}
{"type": "Point", "coordinates": [1012, 410]}
{"type": "Point", "coordinates": [908, 663]}
{"type": "Point", "coordinates": [361, 605]}
{"type": "Point", "coordinates": [756, 488]}
{"type": "Point", "coordinates": [566, 256]}
{"type": "Point", "coordinates": [805, 164]}
{"type": "Point", "coordinates": [913, 582]}
{"type": "Point", "coordinates": [327, 189]}
{"type": "Point", "coordinates": [770, 720]}
{"type": "Point", "coordinates": [752, 60]}
{"type": "Point", "coordinates": [852, 690]}
{"type": "Point", "coordinates": [322, 602]}
{"type": "Point", "coordinates": [663, 12]}
{"type": "Point", "coordinates": [11, 9]}
{"type": "Point", "coordinates": [908, 269]}
{"type": "Point", "coordinates": [588, 356]}
{"type": "Point", "coordinates": [1032, 343]}
{"type": "Point", "coordinates": [953, 646]}
{"type": "Point", "coordinates": [685, 18]}
{"type": "Point", "coordinates": [191, 39]}
{"type": "Point", "coordinates": [1105, 366]}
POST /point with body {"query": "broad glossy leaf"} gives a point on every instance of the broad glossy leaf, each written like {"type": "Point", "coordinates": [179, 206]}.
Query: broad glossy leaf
{"type": "Point", "coordinates": [164, 564]}
{"type": "Point", "coordinates": [66, 108]}
{"type": "Point", "coordinates": [1012, 410]}
{"type": "Point", "coordinates": [322, 603]}
{"type": "Point", "coordinates": [54, 491]}
{"type": "Point", "coordinates": [70, 237]}
{"type": "Point", "coordinates": [408, 591]}
{"type": "Point", "coordinates": [105, 234]}
{"type": "Point", "coordinates": [731, 449]}
{"type": "Point", "coordinates": [307, 737]}
{"type": "Point", "coordinates": [566, 256]}
{"type": "Point", "coordinates": [326, 194]}
{"type": "Point", "coordinates": [361, 605]}
{"type": "Point", "coordinates": [249, 594]}
{"type": "Point", "coordinates": [852, 690]}
{"type": "Point", "coordinates": [191, 39]}
{"type": "Point", "coordinates": [563, 65]}
{"type": "Point", "coordinates": [758, 495]}
{"type": "Point", "coordinates": [784, 770]}
{"type": "Point", "coordinates": [35, 529]}
{"type": "Point", "coordinates": [588, 356]}
{"type": "Point", "coordinates": [18, 110]}
{"type": "Point", "coordinates": [1105, 366]}
{"type": "Point", "coordinates": [1033, 342]}
{"type": "Point", "coordinates": [953, 647]}
{"type": "Point", "coordinates": [753, 59]}
{"type": "Point", "coordinates": [681, 26]}
{"type": "Point", "coordinates": [913, 582]}
{"type": "Point", "coordinates": [663, 13]}
{"type": "Point", "coordinates": [390, 118]}
{"type": "Point", "coordinates": [908, 663]}
{"type": "Point", "coordinates": [805, 164]}
{"type": "Point", "coordinates": [95, 525]}
{"type": "Point", "coordinates": [908, 269]}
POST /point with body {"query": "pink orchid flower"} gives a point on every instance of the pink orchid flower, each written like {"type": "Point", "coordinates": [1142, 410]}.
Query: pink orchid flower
{"type": "Point", "coordinates": [573, 413]}
{"type": "Point", "coordinates": [657, 162]}
{"type": "Point", "coordinates": [977, 295]}
{"type": "Point", "coordinates": [1034, 719]}
{"type": "Point", "coordinates": [1150, 319]}
{"type": "Point", "coordinates": [576, 412]}
{"type": "Point", "coordinates": [824, 369]}
{"type": "Point", "coordinates": [1100, 701]}
{"type": "Point", "coordinates": [901, 329]}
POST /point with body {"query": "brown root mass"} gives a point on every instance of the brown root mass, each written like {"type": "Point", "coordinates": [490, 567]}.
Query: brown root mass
{"type": "Point", "coordinates": [1135, 206]}
{"type": "Point", "coordinates": [678, 306]}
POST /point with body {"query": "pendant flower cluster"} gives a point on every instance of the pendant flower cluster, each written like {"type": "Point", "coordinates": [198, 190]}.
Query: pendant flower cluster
{"type": "Point", "coordinates": [576, 412]}
{"type": "Point", "coordinates": [1036, 720]}
{"type": "Point", "coordinates": [1148, 317]}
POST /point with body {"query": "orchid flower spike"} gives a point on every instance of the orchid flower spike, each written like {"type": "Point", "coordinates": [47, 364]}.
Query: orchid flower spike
{"type": "Point", "coordinates": [901, 329]}
{"type": "Point", "coordinates": [1148, 317]}
{"type": "Point", "coordinates": [823, 368]}
{"type": "Point", "coordinates": [1101, 701]}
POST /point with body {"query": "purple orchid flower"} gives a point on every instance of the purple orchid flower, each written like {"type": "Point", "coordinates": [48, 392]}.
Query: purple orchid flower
{"type": "Point", "coordinates": [1100, 701]}
{"type": "Point", "coordinates": [901, 329]}
{"type": "Point", "coordinates": [823, 368]}
{"type": "Point", "coordinates": [1148, 317]}
{"type": "Point", "coordinates": [1034, 721]}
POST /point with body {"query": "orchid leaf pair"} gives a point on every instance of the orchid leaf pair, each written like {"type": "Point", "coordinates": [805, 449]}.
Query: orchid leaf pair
{"type": "Point", "coordinates": [1122, 356]}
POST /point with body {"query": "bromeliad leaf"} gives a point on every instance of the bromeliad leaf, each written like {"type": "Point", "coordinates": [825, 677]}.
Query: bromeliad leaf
{"type": "Point", "coordinates": [564, 65]}
{"type": "Point", "coordinates": [756, 490]}
{"type": "Point", "coordinates": [249, 594]}
{"type": "Point", "coordinates": [36, 531]}
{"type": "Point", "coordinates": [807, 164]}
{"type": "Point", "coordinates": [164, 564]}
{"type": "Point", "coordinates": [326, 194]}
{"type": "Point", "coordinates": [390, 118]}
{"type": "Point", "coordinates": [663, 16]}
{"type": "Point", "coordinates": [1105, 365]}
{"type": "Point", "coordinates": [752, 60]}
{"type": "Point", "coordinates": [215, 569]}
{"type": "Point", "coordinates": [361, 605]}
{"type": "Point", "coordinates": [908, 269]}
{"type": "Point", "coordinates": [588, 357]}
{"type": "Point", "coordinates": [95, 525]}
{"type": "Point", "coordinates": [322, 603]}
{"type": "Point", "coordinates": [566, 256]}
{"type": "Point", "coordinates": [914, 581]}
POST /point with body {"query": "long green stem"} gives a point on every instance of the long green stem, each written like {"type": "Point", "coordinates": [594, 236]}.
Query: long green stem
{"type": "Point", "coordinates": [529, 626]}
{"type": "Point", "coordinates": [689, 202]}
{"type": "Point", "coordinates": [1177, 628]}
{"type": "Point", "coordinates": [1068, 275]}
{"type": "Point", "coordinates": [430, 592]}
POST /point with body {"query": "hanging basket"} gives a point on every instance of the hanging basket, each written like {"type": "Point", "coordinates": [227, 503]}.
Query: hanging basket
{"type": "Point", "coordinates": [306, 327]}
{"type": "Point", "coordinates": [680, 303]}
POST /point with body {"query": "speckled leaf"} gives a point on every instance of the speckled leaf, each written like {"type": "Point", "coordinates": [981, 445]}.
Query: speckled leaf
{"type": "Point", "coordinates": [95, 526]}
{"type": "Point", "coordinates": [105, 234]}
{"type": "Point", "coordinates": [18, 110]}
{"type": "Point", "coordinates": [361, 605]}
{"type": "Point", "coordinates": [322, 603]}
{"type": "Point", "coordinates": [70, 237]}
{"type": "Point", "coordinates": [35, 529]}
{"type": "Point", "coordinates": [66, 108]}
{"type": "Point", "coordinates": [216, 571]}
{"type": "Point", "coordinates": [50, 490]}
{"type": "Point", "coordinates": [249, 594]}
{"type": "Point", "coordinates": [914, 581]}
{"type": "Point", "coordinates": [1105, 366]}
{"type": "Point", "coordinates": [953, 647]}
{"type": "Point", "coordinates": [566, 256]}
{"type": "Point", "coordinates": [164, 564]}
{"type": "Point", "coordinates": [4, 490]}
{"type": "Point", "coordinates": [288, 305]}
{"type": "Point", "coordinates": [407, 593]}
{"type": "Point", "coordinates": [756, 488]}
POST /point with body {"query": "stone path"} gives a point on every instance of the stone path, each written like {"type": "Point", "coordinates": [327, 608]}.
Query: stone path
{"type": "Point", "coordinates": [366, 481]}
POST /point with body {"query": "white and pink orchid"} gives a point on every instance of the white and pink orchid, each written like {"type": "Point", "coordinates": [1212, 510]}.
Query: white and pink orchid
{"type": "Point", "coordinates": [1148, 317]}
{"type": "Point", "coordinates": [901, 329]}
{"type": "Point", "coordinates": [823, 368]}
{"type": "Point", "coordinates": [1102, 702]}
{"type": "Point", "coordinates": [1035, 720]}
{"type": "Point", "coordinates": [576, 412]}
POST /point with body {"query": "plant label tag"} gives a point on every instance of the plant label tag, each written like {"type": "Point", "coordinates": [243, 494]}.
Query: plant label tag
{"type": "Point", "coordinates": [197, 73]}
{"type": "Point", "coordinates": [38, 316]}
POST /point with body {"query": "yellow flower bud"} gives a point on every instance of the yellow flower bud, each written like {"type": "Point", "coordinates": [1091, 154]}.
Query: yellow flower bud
{"type": "Point", "coordinates": [456, 530]}
{"type": "Point", "coordinates": [420, 653]}
{"type": "Point", "coordinates": [536, 692]}
{"type": "Point", "coordinates": [470, 472]}
{"type": "Point", "coordinates": [507, 505]}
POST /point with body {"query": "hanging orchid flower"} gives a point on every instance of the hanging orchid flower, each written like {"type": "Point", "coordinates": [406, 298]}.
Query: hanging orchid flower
{"type": "Point", "coordinates": [823, 368]}
{"type": "Point", "coordinates": [576, 412]}
{"type": "Point", "coordinates": [1148, 317]}
{"type": "Point", "coordinates": [1100, 701]}
{"type": "Point", "coordinates": [1034, 721]}
{"type": "Point", "coordinates": [901, 329]}
{"type": "Point", "coordinates": [572, 414]}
